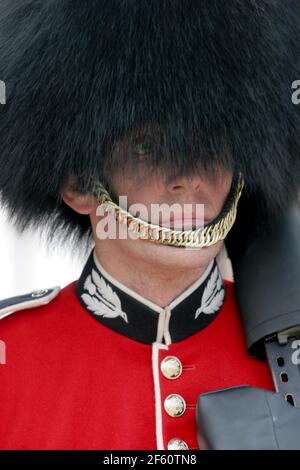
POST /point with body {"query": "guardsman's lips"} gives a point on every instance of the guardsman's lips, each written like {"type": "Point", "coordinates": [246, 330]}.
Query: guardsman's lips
{"type": "Point", "coordinates": [187, 221]}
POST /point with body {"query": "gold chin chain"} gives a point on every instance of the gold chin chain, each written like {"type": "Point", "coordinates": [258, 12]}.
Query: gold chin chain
{"type": "Point", "coordinates": [207, 235]}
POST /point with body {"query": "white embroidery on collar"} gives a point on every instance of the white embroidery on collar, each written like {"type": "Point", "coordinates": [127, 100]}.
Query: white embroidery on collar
{"type": "Point", "coordinates": [213, 295]}
{"type": "Point", "coordinates": [190, 290]}
{"type": "Point", "coordinates": [102, 300]}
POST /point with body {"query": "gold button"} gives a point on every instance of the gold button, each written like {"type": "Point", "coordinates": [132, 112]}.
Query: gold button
{"type": "Point", "coordinates": [174, 405]}
{"type": "Point", "coordinates": [177, 444]}
{"type": "Point", "coordinates": [171, 367]}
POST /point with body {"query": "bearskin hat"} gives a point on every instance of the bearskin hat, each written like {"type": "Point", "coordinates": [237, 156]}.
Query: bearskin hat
{"type": "Point", "coordinates": [209, 81]}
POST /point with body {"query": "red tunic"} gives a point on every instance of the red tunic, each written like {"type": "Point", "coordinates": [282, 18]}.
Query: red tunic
{"type": "Point", "coordinates": [70, 382]}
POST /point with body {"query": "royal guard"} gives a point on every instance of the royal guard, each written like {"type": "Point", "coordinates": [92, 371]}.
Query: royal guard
{"type": "Point", "coordinates": [113, 109]}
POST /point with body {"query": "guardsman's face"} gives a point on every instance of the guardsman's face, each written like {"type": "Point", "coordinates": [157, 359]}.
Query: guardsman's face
{"type": "Point", "coordinates": [192, 192]}
{"type": "Point", "coordinates": [145, 184]}
{"type": "Point", "coordinates": [192, 199]}
{"type": "Point", "coordinates": [203, 195]}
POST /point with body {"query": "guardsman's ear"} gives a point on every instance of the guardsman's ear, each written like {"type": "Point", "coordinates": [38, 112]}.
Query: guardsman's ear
{"type": "Point", "coordinates": [80, 202]}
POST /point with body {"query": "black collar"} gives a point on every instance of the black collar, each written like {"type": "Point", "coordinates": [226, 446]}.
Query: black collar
{"type": "Point", "coordinates": [128, 313]}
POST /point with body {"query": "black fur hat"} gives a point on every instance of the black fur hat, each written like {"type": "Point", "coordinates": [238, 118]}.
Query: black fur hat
{"type": "Point", "coordinates": [209, 80]}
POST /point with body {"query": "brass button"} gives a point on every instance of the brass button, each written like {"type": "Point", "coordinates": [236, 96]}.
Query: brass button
{"type": "Point", "coordinates": [39, 293]}
{"type": "Point", "coordinates": [171, 367]}
{"type": "Point", "coordinates": [174, 405]}
{"type": "Point", "coordinates": [177, 444]}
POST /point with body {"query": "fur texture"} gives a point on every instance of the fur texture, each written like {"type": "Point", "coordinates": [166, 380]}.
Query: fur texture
{"type": "Point", "coordinates": [211, 80]}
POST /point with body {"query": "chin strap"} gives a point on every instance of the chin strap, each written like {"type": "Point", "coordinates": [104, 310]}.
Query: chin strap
{"type": "Point", "coordinates": [205, 236]}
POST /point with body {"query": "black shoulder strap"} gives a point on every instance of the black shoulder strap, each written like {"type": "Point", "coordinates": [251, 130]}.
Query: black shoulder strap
{"type": "Point", "coordinates": [31, 300]}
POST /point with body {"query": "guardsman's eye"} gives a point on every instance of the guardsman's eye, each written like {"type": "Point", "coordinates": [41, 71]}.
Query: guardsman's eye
{"type": "Point", "coordinates": [142, 148]}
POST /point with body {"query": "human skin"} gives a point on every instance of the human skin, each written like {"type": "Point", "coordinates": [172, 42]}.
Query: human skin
{"type": "Point", "coordinates": [157, 272]}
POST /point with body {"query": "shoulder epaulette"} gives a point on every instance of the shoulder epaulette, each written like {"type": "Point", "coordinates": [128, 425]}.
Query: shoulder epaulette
{"type": "Point", "coordinates": [31, 300]}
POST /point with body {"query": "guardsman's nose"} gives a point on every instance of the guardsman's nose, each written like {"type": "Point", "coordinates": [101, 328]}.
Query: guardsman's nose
{"type": "Point", "coordinates": [184, 184]}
